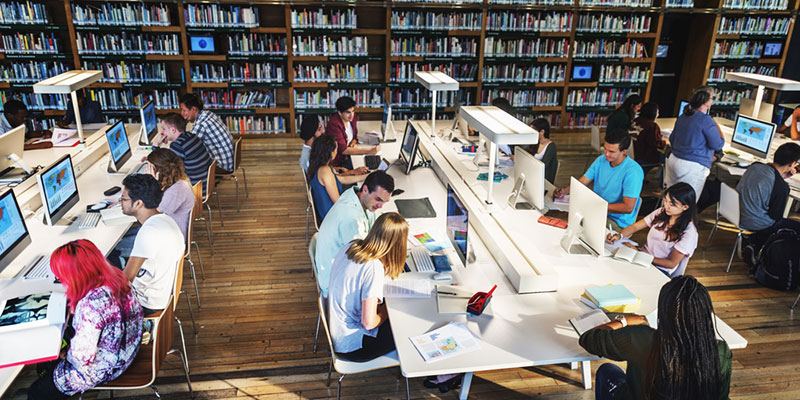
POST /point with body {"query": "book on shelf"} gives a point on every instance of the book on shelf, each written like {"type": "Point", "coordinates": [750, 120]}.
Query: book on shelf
{"type": "Point", "coordinates": [420, 97]}
{"type": "Point", "coordinates": [613, 23]}
{"type": "Point", "coordinates": [127, 43]}
{"type": "Point", "coordinates": [584, 120]}
{"type": "Point", "coordinates": [23, 12]}
{"type": "Point", "coordinates": [36, 101]}
{"type": "Point", "coordinates": [737, 49]}
{"type": "Point", "coordinates": [260, 44]}
{"type": "Point", "coordinates": [430, 20]}
{"type": "Point", "coordinates": [441, 1]}
{"type": "Point", "coordinates": [220, 16]}
{"type": "Point", "coordinates": [539, 21]}
{"type": "Point", "coordinates": [624, 74]}
{"type": "Point", "coordinates": [331, 73]}
{"type": "Point", "coordinates": [29, 43]}
{"type": "Point", "coordinates": [311, 99]}
{"type": "Point", "coordinates": [609, 48]}
{"type": "Point", "coordinates": [403, 71]}
{"type": "Point", "coordinates": [754, 25]}
{"type": "Point", "coordinates": [524, 98]}
{"type": "Point", "coordinates": [329, 46]}
{"type": "Point", "coordinates": [230, 99]}
{"type": "Point", "coordinates": [324, 19]}
{"type": "Point", "coordinates": [270, 124]}
{"type": "Point", "coordinates": [535, 2]}
{"type": "Point", "coordinates": [756, 4]}
{"type": "Point", "coordinates": [517, 48]}
{"type": "Point", "coordinates": [125, 72]}
{"type": "Point", "coordinates": [128, 100]}
{"type": "Point", "coordinates": [452, 46]}
{"type": "Point", "coordinates": [617, 3]}
{"type": "Point", "coordinates": [32, 71]}
{"type": "Point", "coordinates": [599, 97]}
{"type": "Point", "coordinates": [248, 72]}
{"type": "Point", "coordinates": [679, 4]}
{"type": "Point", "coordinates": [524, 73]}
{"type": "Point", "coordinates": [717, 74]}
{"type": "Point", "coordinates": [121, 14]}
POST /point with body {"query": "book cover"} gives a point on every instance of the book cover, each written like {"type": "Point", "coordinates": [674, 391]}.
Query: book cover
{"type": "Point", "coordinates": [611, 295]}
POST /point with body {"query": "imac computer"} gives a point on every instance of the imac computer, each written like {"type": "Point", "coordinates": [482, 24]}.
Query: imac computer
{"type": "Point", "coordinates": [587, 220]}
{"type": "Point", "coordinates": [457, 224]}
{"type": "Point", "coordinates": [119, 149]}
{"type": "Point", "coordinates": [14, 237]}
{"type": "Point", "coordinates": [12, 144]}
{"type": "Point", "coordinates": [387, 128]}
{"type": "Point", "coordinates": [408, 151]}
{"type": "Point", "coordinates": [149, 123]}
{"type": "Point", "coordinates": [752, 136]}
{"type": "Point", "coordinates": [528, 179]}
{"type": "Point", "coordinates": [682, 107]}
{"type": "Point", "coordinates": [59, 189]}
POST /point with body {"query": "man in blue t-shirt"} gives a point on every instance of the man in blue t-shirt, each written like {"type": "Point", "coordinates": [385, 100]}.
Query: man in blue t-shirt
{"type": "Point", "coordinates": [617, 179]}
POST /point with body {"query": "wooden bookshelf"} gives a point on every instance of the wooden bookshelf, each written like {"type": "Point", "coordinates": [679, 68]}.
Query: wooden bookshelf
{"type": "Point", "coordinates": [374, 22]}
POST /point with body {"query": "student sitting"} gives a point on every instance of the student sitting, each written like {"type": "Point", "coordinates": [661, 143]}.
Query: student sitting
{"type": "Point", "coordinates": [681, 359]}
{"type": "Point", "coordinates": [672, 237]}
{"type": "Point", "coordinates": [763, 193]}
{"type": "Point", "coordinates": [622, 117]}
{"type": "Point", "coordinates": [209, 128]}
{"type": "Point", "coordinates": [647, 141]}
{"type": "Point", "coordinates": [343, 127]}
{"type": "Point", "coordinates": [90, 111]}
{"type": "Point", "coordinates": [188, 147]}
{"type": "Point", "coordinates": [351, 217]}
{"type": "Point", "coordinates": [178, 198]}
{"type": "Point", "coordinates": [792, 124]}
{"type": "Point", "coordinates": [325, 185]}
{"type": "Point", "coordinates": [360, 329]}
{"type": "Point", "coordinates": [617, 179]}
{"type": "Point", "coordinates": [545, 150]}
{"type": "Point", "coordinates": [106, 320]}
{"type": "Point", "coordinates": [158, 246]}
{"type": "Point", "coordinates": [15, 113]}
{"type": "Point", "coordinates": [310, 129]}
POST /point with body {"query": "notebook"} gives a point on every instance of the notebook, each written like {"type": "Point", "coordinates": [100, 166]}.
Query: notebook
{"type": "Point", "coordinates": [589, 320]}
{"type": "Point", "coordinates": [611, 295]}
{"type": "Point", "coordinates": [625, 253]}
{"type": "Point", "coordinates": [415, 208]}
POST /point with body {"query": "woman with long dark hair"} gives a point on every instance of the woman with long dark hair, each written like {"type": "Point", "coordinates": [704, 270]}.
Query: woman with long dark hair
{"type": "Point", "coordinates": [545, 151]}
{"type": "Point", "coordinates": [681, 360]}
{"type": "Point", "coordinates": [326, 186]}
{"type": "Point", "coordinates": [624, 114]}
{"type": "Point", "coordinates": [672, 238]}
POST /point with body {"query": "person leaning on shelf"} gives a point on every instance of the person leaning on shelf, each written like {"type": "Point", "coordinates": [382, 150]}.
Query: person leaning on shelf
{"type": "Point", "coordinates": [310, 129]}
{"type": "Point", "coordinates": [343, 127]}
{"type": "Point", "coordinates": [622, 117]}
{"type": "Point", "coordinates": [647, 139]}
{"type": "Point", "coordinates": [325, 185]}
{"type": "Point", "coordinates": [106, 329]}
{"type": "Point", "coordinates": [359, 323]}
{"type": "Point", "coordinates": [792, 124]}
{"type": "Point", "coordinates": [15, 113]}
{"type": "Point", "coordinates": [681, 359]}
{"type": "Point", "coordinates": [694, 140]}
{"type": "Point", "coordinates": [210, 129]}
{"type": "Point", "coordinates": [89, 109]}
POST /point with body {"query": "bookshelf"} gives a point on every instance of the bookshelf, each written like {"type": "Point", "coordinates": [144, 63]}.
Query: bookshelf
{"type": "Point", "coordinates": [276, 61]}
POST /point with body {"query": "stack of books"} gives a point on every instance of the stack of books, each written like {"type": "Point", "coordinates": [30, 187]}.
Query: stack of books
{"type": "Point", "coordinates": [612, 298]}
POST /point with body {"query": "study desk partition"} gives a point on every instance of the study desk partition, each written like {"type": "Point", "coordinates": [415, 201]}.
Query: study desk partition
{"type": "Point", "coordinates": [517, 330]}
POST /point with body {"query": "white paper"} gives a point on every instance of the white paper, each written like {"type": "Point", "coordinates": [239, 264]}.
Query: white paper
{"type": "Point", "coordinates": [114, 216]}
{"type": "Point", "coordinates": [589, 320]}
{"type": "Point", "coordinates": [407, 288]}
{"type": "Point", "coordinates": [617, 244]}
{"type": "Point", "coordinates": [450, 340]}
{"type": "Point", "coordinates": [61, 137]}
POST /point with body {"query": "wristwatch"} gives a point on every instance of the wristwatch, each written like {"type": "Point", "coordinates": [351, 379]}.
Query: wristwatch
{"type": "Point", "coordinates": [621, 319]}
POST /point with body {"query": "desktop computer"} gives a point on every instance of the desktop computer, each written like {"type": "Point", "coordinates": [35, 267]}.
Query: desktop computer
{"type": "Point", "coordinates": [529, 180]}
{"type": "Point", "coordinates": [682, 107]}
{"type": "Point", "coordinates": [119, 149]}
{"type": "Point", "coordinates": [457, 224]}
{"type": "Point", "coordinates": [58, 188]}
{"type": "Point", "coordinates": [587, 220]}
{"type": "Point", "coordinates": [14, 235]}
{"type": "Point", "coordinates": [149, 123]}
{"type": "Point", "coordinates": [409, 149]}
{"type": "Point", "coordinates": [387, 128]}
{"type": "Point", "coordinates": [752, 136]}
{"type": "Point", "coordinates": [12, 145]}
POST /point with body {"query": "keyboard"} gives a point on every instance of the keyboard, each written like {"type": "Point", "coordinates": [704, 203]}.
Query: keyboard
{"type": "Point", "coordinates": [372, 161]}
{"type": "Point", "coordinates": [40, 269]}
{"type": "Point", "coordinates": [422, 259]}
{"type": "Point", "coordinates": [87, 220]}
{"type": "Point", "coordinates": [732, 159]}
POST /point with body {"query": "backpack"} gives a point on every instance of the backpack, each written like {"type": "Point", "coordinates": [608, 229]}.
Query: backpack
{"type": "Point", "coordinates": [777, 262]}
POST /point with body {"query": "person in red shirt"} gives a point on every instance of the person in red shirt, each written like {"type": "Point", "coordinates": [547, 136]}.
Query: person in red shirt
{"type": "Point", "coordinates": [648, 142]}
{"type": "Point", "coordinates": [342, 126]}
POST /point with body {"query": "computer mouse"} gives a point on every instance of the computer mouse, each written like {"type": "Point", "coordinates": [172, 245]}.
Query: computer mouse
{"type": "Point", "coordinates": [99, 206]}
{"type": "Point", "coordinates": [744, 164]}
{"type": "Point", "coordinates": [442, 276]}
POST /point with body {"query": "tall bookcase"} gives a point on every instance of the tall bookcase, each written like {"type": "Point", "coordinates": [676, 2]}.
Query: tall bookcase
{"type": "Point", "coordinates": [276, 61]}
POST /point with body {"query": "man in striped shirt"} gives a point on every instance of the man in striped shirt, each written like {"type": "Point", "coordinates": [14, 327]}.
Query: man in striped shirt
{"type": "Point", "coordinates": [188, 147]}
{"type": "Point", "coordinates": [211, 130]}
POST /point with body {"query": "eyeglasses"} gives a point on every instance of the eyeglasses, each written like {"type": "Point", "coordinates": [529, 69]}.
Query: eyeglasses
{"type": "Point", "coordinates": [121, 199]}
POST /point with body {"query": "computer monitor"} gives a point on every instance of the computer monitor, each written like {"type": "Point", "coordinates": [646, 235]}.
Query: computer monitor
{"type": "Point", "coordinates": [118, 146]}
{"type": "Point", "coordinates": [662, 51]}
{"type": "Point", "coordinates": [59, 189]}
{"type": "Point", "coordinates": [149, 123]}
{"type": "Point", "coordinates": [11, 142]}
{"type": "Point", "coordinates": [752, 136]}
{"type": "Point", "coordinates": [408, 151]}
{"type": "Point", "coordinates": [587, 216]}
{"type": "Point", "coordinates": [531, 171]}
{"type": "Point", "coordinates": [14, 237]}
{"type": "Point", "coordinates": [201, 44]}
{"type": "Point", "coordinates": [582, 73]}
{"type": "Point", "coordinates": [387, 128]}
{"type": "Point", "coordinates": [457, 224]}
{"type": "Point", "coordinates": [772, 50]}
{"type": "Point", "coordinates": [682, 107]}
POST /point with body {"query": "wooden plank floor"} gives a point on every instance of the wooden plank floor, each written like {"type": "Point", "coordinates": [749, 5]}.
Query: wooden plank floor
{"type": "Point", "coordinates": [256, 324]}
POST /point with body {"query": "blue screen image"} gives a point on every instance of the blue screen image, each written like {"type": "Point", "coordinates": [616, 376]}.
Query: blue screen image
{"type": "Point", "coordinates": [59, 184]}
{"type": "Point", "coordinates": [117, 141]}
{"type": "Point", "coordinates": [12, 227]}
{"type": "Point", "coordinates": [754, 134]}
{"type": "Point", "coordinates": [772, 49]}
{"type": "Point", "coordinates": [582, 72]}
{"type": "Point", "coordinates": [150, 121]}
{"type": "Point", "coordinates": [204, 44]}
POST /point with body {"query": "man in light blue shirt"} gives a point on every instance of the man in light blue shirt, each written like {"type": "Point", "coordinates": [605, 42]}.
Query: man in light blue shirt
{"type": "Point", "coordinates": [617, 179]}
{"type": "Point", "coordinates": [351, 217]}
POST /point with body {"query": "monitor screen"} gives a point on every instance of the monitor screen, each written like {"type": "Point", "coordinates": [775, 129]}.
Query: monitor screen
{"type": "Point", "coordinates": [662, 51]}
{"type": "Point", "coordinates": [58, 188]}
{"type": "Point", "coordinates": [202, 44]}
{"type": "Point", "coordinates": [752, 136]}
{"type": "Point", "coordinates": [772, 49]}
{"type": "Point", "coordinates": [581, 73]}
{"type": "Point", "coordinates": [118, 144]}
{"type": "Point", "coordinates": [11, 142]}
{"type": "Point", "coordinates": [386, 120]}
{"type": "Point", "coordinates": [682, 107]}
{"type": "Point", "coordinates": [13, 231]}
{"type": "Point", "coordinates": [408, 151]}
{"type": "Point", "coordinates": [149, 121]}
{"type": "Point", "coordinates": [457, 224]}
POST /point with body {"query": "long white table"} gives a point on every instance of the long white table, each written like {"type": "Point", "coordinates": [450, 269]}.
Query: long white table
{"type": "Point", "coordinates": [516, 330]}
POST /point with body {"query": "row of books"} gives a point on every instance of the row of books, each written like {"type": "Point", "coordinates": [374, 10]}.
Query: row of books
{"type": "Point", "coordinates": [247, 72]}
{"type": "Point", "coordinates": [756, 4]}
{"type": "Point", "coordinates": [36, 101]}
{"type": "Point", "coordinates": [129, 72]}
{"type": "Point", "coordinates": [128, 100]}
{"type": "Point", "coordinates": [39, 124]}
{"type": "Point", "coordinates": [229, 99]}
{"type": "Point", "coordinates": [717, 74]}
{"type": "Point", "coordinates": [623, 73]}
{"type": "Point", "coordinates": [539, 47]}
{"type": "Point", "coordinates": [325, 19]}
{"type": "Point", "coordinates": [219, 16]}
{"type": "Point", "coordinates": [269, 124]}
{"type": "Point", "coordinates": [609, 48]}
{"type": "Point", "coordinates": [421, 97]}
{"type": "Point", "coordinates": [582, 120]}
{"type": "Point", "coordinates": [540, 21]}
{"type": "Point", "coordinates": [597, 97]}
{"type": "Point", "coordinates": [679, 4]}
{"type": "Point", "coordinates": [524, 98]}
{"type": "Point", "coordinates": [617, 3]}
{"type": "Point", "coordinates": [535, 2]}
{"type": "Point", "coordinates": [524, 73]}
{"type": "Point", "coordinates": [331, 73]}
{"type": "Point", "coordinates": [420, 20]}
{"type": "Point", "coordinates": [29, 43]}
{"type": "Point", "coordinates": [121, 14]}
{"type": "Point", "coordinates": [727, 114]}
{"type": "Point", "coordinates": [326, 99]}
{"type": "Point", "coordinates": [404, 71]}
{"type": "Point", "coordinates": [451, 46]}
{"type": "Point", "coordinates": [754, 25]}
{"type": "Point", "coordinates": [256, 44]}
{"type": "Point", "coordinates": [421, 115]}
{"type": "Point", "coordinates": [731, 96]}
{"type": "Point", "coordinates": [440, 1]}
{"type": "Point", "coordinates": [613, 23]}
{"type": "Point", "coordinates": [329, 46]}
{"type": "Point", "coordinates": [133, 43]}
{"type": "Point", "coordinates": [554, 118]}
{"type": "Point", "coordinates": [737, 49]}
{"type": "Point", "coordinates": [23, 12]}
{"type": "Point", "coordinates": [32, 71]}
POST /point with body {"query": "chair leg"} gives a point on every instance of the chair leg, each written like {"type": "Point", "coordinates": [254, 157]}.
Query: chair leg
{"type": "Point", "coordinates": [330, 368]}
{"type": "Point", "coordinates": [155, 391]}
{"type": "Point", "coordinates": [191, 313]}
{"type": "Point", "coordinates": [708, 240]}
{"type": "Point", "coordinates": [307, 209]}
{"type": "Point", "coordinates": [236, 181]}
{"type": "Point", "coordinates": [185, 370]}
{"type": "Point", "coordinates": [735, 246]}
{"type": "Point", "coordinates": [339, 388]}
{"type": "Point", "coordinates": [408, 392]}
{"type": "Point", "coordinates": [194, 280]}
{"type": "Point", "coordinates": [199, 259]}
{"type": "Point", "coordinates": [183, 343]}
{"type": "Point", "coordinates": [244, 178]}
{"type": "Point", "coordinates": [210, 227]}
{"type": "Point", "coordinates": [795, 301]}
{"type": "Point", "coordinates": [316, 335]}
{"type": "Point", "coordinates": [219, 209]}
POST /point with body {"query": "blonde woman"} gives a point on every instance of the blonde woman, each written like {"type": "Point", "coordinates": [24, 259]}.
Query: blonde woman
{"type": "Point", "coordinates": [358, 320]}
{"type": "Point", "coordinates": [178, 199]}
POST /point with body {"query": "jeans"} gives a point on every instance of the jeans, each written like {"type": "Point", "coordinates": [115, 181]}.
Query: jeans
{"type": "Point", "coordinates": [44, 388]}
{"type": "Point", "coordinates": [373, 347]}
{"type": "Point", "coordinates": [609, 377]}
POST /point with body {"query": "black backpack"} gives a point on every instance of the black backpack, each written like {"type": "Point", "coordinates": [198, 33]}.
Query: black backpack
{"type": "Point", "coordinates": [777, 262]}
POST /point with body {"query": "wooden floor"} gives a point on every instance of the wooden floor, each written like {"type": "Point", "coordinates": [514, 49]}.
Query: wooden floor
{"type": "Point", "coordinates": [256, 324]}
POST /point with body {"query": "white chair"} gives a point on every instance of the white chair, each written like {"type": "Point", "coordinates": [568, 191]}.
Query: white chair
{"type": "Point", "coordinates": [345, 367]}
{"type": "Point", "coordinates": [795, 301]}
{"type": "Point", "coordinates": [237, 160]}
{"type": "Point", "coordinates": [312, 251]}
{"type": "Point", "coordinates": [197, 188]}
{"type": "Point", "coordinates": [728, 208]}
{"type": "Point", "coordinates": [309, 204]}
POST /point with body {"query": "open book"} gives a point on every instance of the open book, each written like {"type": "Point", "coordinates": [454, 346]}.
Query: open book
{"type": "Point", "coordinates": [625, 253]}
{"type": "Point", "coordinates": [589, 320]}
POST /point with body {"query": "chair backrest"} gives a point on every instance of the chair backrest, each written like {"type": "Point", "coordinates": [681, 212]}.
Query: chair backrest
{"type": "Point", "coordinates": [197, 188]}
{"type": "Point", "coordinates": [312, 252]}
{"type": "Point", "coordinates": [596, 139]}
{"type": "Point", "coordinates": [317, 221]}
{"type": "Point", "coordinates": [211, 183]}
{"type": "Point", "coordinates": [237, 154]}
{"type": "Point", "coordinates": [631, 152]}
{"type": "Point", "coordinates": [322, 302]}
{"type": "Point", "coordinates": [176, 289]}
{"type": "Point", "coordinates": [729, 204]}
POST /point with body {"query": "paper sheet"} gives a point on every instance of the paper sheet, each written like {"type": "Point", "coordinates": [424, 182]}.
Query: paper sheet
{"type": "Point", "coordinates": [408, 288]}
{"type": "Point", "coordinates": [589, 320]}
{"type": "Point", "coordinates": [450, 340]}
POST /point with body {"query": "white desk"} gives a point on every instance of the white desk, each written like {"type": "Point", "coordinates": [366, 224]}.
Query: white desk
{"type": "Point", "coordinates": [516, 330]}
